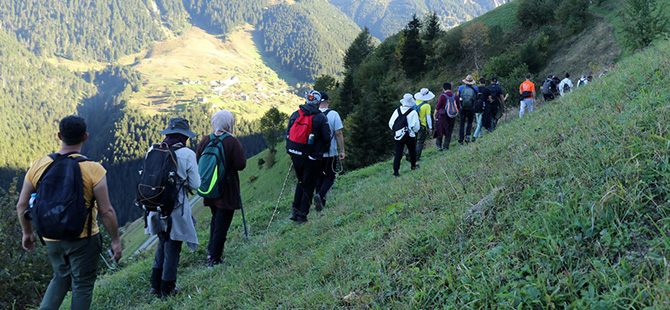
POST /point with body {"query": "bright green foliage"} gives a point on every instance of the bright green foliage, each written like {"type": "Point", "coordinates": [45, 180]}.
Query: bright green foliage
{"type": "Point", "coordinates": [644, 22]}
{"type": "Point", "coordinates": [574, 15]}
{"type": "Point", "coordinates": [411, 51]}
{"type": "Point", "coordinates": [325, 83]}
{"type": "Point", "coordinates": [273, 125]}
{"type": "Point", "coordinates": [534, 53]}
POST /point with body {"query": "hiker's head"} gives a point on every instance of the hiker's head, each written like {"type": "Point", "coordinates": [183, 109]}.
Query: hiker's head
{"type": "Point", "coordinates": [312, 97]}
{"type": "Point", "coordinates": [468, 80]}
{"type": "Point", "coordinates": [554, 77]}
{"type": "Point", "coordinates": [72, 130]}
{"type": "Point", "coordinates": [178, 125]}
{"type": "Point", "coordinates": [567, 75]}
{"type": "Point", "coordinates": [527, 76]}
{"type": "Point", "coordinates": [424, 95]}
{"type": "Point", "coordinates": [223, 122]}
{"type": "Point", "coordinates": [446, 86]}
{"type": "Point", "coordinates": [325, 100]}
{"type": "Point", "coordinates": [407, 100]}
{"type": "Point", "coordinates": [482, 81]}
{"type": "Point", "coordinates": [494, 79]}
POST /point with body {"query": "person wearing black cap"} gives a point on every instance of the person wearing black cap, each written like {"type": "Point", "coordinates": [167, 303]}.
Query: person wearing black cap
{"type": "Point", "coordinates": [306, 151]}
{"type": "Point", "coordinates": [179, 227]}
{"type": "Point", "coordinates": [330, 159]}
{"type": "Point", "coordinates": [496, 109]}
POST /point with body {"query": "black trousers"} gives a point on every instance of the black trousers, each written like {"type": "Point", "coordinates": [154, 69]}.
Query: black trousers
{"type": "Point", "coordinates": [326, 178]}
{"type": "Point", "coordinates": [465, 126]}
{"type": "Point", "coordinates": [307, 171]}
{"type": "Point", "coordinates": [218, 230]}
{"type": "Point", "coordinates": [408, 141]}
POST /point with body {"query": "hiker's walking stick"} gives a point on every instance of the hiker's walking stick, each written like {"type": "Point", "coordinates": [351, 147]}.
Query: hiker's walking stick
{"type": "Point", "coordinates": [281, 194]}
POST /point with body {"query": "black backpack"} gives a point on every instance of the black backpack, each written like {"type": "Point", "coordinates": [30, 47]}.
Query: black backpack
{"type": "Point", "coordinates": [400, 126]}
{"type": "Point", "coordinates": [468, 98]}
{"type": "Point", "coordinates": [480, 103]}
{"type": "Point", "coordinates": [157, 189]}
{"type": "Point", "coordinates": [59, 210]}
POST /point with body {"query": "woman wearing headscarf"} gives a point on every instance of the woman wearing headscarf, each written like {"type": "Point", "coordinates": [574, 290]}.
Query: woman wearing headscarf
{"type": "Point", "coordinates": [223, 208]}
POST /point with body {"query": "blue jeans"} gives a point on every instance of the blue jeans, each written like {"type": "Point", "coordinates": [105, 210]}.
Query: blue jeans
{"type": "Point", "coordinates": [478, 132]}
{"type": "Point", "coordinates": [75, 265]}
{"type": "Point", "coordinates": [528, 102]}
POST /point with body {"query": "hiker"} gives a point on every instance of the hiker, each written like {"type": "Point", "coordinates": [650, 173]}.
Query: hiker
{"type": "Point", "coordinates": [467, 94]}
{"type": "Point", "coordinates": [582, 81]}
{"type": "Point", "coordinates": [74, 261]}
{"type": "Point", "coordinates": [527, 95]}
{"type": "Point", "coordinates": [483, 98]}
{"type": "Point", "coordinates": [565, 86]}
{"type": "Point", "coordinates": [331, 158]}
{"type": "Point", "coordinates": [549, 88]}
{"type": "Point", "coordinates": [178, 227]}
{"type": "Point", "coordinates": [223, 208]}
{"type": "Point", "coordinates": [423, 97]}
{"type": "Point", "coordinates": [444, 123]}
{"type": "Point", "coordinates": [589, 78]}
{"type": "Point", "coordinates": [496, 109]}
{"type": "Point", "coordinates": [308, 138]}
{"type": "Point", "coordinates": [405, 124]}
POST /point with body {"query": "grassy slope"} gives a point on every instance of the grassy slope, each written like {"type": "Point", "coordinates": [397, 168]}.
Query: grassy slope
{"type": "Point", "coordinates": [582, 221]}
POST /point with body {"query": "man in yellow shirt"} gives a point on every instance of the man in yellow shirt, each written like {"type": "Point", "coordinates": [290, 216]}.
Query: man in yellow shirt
{"type": "Point", "coordinates": [74, 260]}
{"type": "Point", "coordinates": [423, 99]}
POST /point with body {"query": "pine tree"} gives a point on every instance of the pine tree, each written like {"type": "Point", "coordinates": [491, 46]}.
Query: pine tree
{"type": "Point", "coordinates": [643, 22]}
{"type": "Point", "coordinates": [360, 48]}
{"type": "Point", "coordinates": [431, 27]}
{"type": "Point", "coordinates": [412, 54]}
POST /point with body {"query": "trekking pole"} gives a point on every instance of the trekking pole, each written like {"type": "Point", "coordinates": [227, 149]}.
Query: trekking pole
{"type": "Point", "coordinates": [244, 220]}
{"type": "Point", "coordinates": [280, 195]}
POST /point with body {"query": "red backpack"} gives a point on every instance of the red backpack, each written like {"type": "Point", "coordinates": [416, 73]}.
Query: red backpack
{"type": "Point", "coordinates": [300, 137]}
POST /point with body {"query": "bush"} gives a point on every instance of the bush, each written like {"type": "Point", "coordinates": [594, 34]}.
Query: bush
{"type": "Point", "coordinates": [536, 12]}
{"type": "Point", "coordinates": [270, 159]}
{"type": "Point", "coordinates": [261, 161]}
{"type": "Point", "coordinates": [252, 178]}
{"type": "Point", "coordinates": [573, 14]}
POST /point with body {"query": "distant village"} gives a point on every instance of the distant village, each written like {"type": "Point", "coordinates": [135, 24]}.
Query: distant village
{"type": "Point", "coordinates": [221, 88]}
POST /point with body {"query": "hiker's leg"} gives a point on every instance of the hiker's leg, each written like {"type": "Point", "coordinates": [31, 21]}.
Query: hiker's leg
{"type": "Point", "coordinates": [420, 139]}
{"type": "Point", "coordinates": [468, 129]}
{"type": "Point", "coordinates": [411, 145]}
{"type": "Point", "coordinates": [450, 130]}
{"type": "Point", "coordinates": [327, 176]}
{"type": "Point", "coordinates": [221, 223]}
{"type": "Point", "coordinates": [61, 281]}
{"type": "Point", "coordinates": [522, 108]}
{"type": "Point", "coordinates": [461, 126]}
{"type": "Point", "coordinates": [438, 142]}
{"type": "Point", "coordinates": [530, 105]}
{"type": "Point", "coordinates": [398, 145]}
{"type": "Point", "coordinates": [84, 255]}
{"type": "Point", "coordinates": [298, 166]}
{"type": "Point", "coordinates": [478, 132]}
{"type": "Point", "coordinates": [311, 171]}
{"type": "Point", "coordinates": [172, 250]}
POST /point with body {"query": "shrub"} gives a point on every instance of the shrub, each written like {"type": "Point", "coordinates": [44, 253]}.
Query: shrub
{"type": "Point", "coordinates": [261, 161]}
{"type": "Point", "coordinates": [252, 178]}
{"type": "Point", "coordinates": [270, 159]}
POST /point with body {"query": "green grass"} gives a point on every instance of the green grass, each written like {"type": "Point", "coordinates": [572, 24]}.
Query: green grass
{"type": "Point", "coordinates": [582, 221]}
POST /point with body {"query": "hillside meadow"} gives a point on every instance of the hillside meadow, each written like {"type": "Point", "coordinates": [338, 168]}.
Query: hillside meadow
{"type": "Point", "coordinates": [566, 208]}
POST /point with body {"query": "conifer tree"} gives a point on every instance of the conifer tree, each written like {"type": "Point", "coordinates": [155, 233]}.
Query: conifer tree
{"type": "Point", "coordinates": [431, 27]}
{"type": "Point", "coordinates": [643, 22]}
{"type": "Point", "coordinates": [360, 48]}
{"type": "Point", "coordinates": [411, 52]}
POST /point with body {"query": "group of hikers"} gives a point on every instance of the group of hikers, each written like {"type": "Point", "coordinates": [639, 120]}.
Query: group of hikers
{"type": "Point", "coordinates": [481, 104]}
{"type": "Point", "coordinates": [64, 193]}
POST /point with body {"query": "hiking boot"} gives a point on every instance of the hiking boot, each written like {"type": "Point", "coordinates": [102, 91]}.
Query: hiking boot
{"type": "Point", "coordinates": [460, 142]}
{"type": "Point", "coordinates": [396, 175]}
{"type": "Point", "coordinates": [293, 216]}
{"type": "Point", "coordinates": [318, 203]}
{"type": "Point", "coordinates": [169, 288]}
{"type": "Point", "coordinates": [301, 220]}
{"type": "Point", "coordinates": [155, 280]}
{"type": "Point", "coordinates": [474, 139]}
{"type": "Point", "coordinates": [439, 149]}
{"type": "Point", "coordinates": [415, 167]}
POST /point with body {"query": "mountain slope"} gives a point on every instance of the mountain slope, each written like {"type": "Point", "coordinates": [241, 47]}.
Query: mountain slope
{"type": "Point", "coordinates": [566, 208]}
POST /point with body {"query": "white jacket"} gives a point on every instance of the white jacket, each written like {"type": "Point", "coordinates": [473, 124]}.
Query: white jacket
{"type": "Point", "coordinates": [413, 122]}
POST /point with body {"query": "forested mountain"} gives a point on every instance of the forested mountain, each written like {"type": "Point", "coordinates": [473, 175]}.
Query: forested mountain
{"type": "Point", "coordinates": [387, 17]}
{"type": "Point", "coordinates": [220, 16]}
{"type": "Point", "coordinates": [34, 96]}
{"type": "Point", "coordinates": [308, 38]}
{"type": "Point", "coordinates": [89, 30]}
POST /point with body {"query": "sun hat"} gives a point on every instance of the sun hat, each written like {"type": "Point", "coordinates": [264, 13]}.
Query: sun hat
{"type": "Point", "coordinates": [178, 125]}
{"type": "Point", "coordinates": [407, 100]}
{"type": "Point", "coordinates": [312, 97]}
{"type": "Point", "coordinates": [469, 80]}
{"type": "Point", "coordinates": [424, 95]}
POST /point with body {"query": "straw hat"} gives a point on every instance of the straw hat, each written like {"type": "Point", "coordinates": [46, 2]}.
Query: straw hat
{"type": "Point", "coordinates": [469, 80]}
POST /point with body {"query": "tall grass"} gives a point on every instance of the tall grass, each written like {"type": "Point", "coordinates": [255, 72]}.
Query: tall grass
{"type": "Point", "coordinates": [582, 220]}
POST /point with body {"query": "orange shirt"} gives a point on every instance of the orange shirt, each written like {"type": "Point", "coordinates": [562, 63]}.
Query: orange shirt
{"type": "Point", "coordinates": [527, 86]}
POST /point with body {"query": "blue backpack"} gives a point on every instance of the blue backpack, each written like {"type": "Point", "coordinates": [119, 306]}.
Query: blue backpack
{"type": "Point", "coordinates": [212, 168]}
{"type": "Point", "coordinates": [59, 210]}
{"type": "Point", "coordinates": [417, 107]}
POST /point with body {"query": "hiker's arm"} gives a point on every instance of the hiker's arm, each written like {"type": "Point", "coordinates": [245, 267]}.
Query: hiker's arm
{"type": "Point", "coordinates": [192, 175]}
{"type": "Point", "coordinates": [28, 240]}
{"type": "Point", "coordinates": [239, 160]}
{"type": "Point", "coordinates": [339, 138]}
{"type": "Point", "coordinates": [108, 216]}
